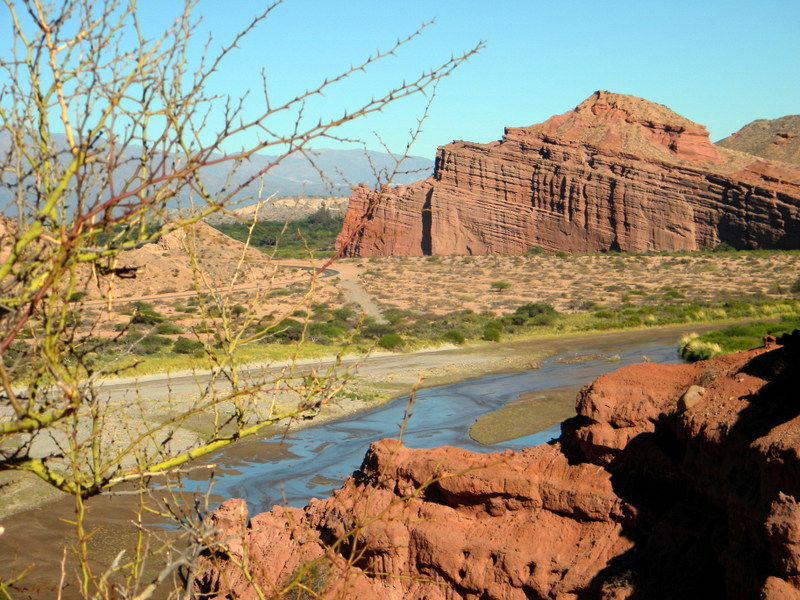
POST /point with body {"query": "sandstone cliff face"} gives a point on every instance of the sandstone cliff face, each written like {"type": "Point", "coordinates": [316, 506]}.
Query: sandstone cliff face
{"type": "Point", "coordinates": [617, 172]}
{"type": "Point", "coordinates": [673, 481]}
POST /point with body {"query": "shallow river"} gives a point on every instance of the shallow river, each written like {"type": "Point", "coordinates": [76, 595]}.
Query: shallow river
{"type": "Point", "coordinates": [314, 461]}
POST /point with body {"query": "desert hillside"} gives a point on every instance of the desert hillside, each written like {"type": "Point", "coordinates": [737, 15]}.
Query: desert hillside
{"type": "Point", "coordinates": [773, 139]}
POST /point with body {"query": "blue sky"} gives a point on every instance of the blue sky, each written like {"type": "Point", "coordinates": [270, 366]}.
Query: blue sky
{"type": "Point", "coordinates": [720, 63]}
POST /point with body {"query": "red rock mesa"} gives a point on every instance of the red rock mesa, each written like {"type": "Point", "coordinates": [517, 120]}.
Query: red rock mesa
{"type": "Point", "coordinates": [617, 172]}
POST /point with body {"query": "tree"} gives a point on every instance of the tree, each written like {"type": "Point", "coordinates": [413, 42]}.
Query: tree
{"type": "Point", "coordinates": [103, 132]}
{"type": "Point", "coordinates": [500, 286]}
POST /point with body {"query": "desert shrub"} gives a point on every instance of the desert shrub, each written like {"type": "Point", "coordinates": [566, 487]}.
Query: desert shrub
{"type": "Point", "coordinates": [186, 346]}
{"type": "Point", "coordinates": [168, 329]}
{"type": "Point", "coordinates": [721, 247]}
{"type": "Point", "coordinates": [394, 316]}
{"type": "Point", "coordinates": [238, 310]}
{"type": "Point", "coordinates": [604, 314]}
{"type": "Point", "coordinates": [499, 286]}
{"type": "Point", "coordinates": [76, 296]}
{"type": "Point", "coordinates": [26, 333]}
{"type": "Point", "coordinates": [670, 292]}
{"type": "Point", "coordinates": [146, 314]}
{"type": "Point", "coordinates": [324, 333]}
{"type": "Point", "coordinates": [390, 341]}
{"type": "Point", "coordinates": [795, 287]}
{"type": "Point", "coordinates": [287, 330]}
{"type": "Point", "coordinates": [186, 309]}
{"type": "Point", "coordinates": [343, 313]}
{"type": "Point", "coordinates": [535, 308]}
{"type": "Point", "coordinates": [279, 292]}
{"type": "Point", "coordinates": [492, 331]}
{"type": "Point", "coordinates": [514, 320]}
{"type": "Point", "coordinates": [542, 320]}
{"type": "Point", "coordinates": [373, 330]}
{"type": "Point", "coordinates": [149, 344]}
{"type": "Point", "coordinates": [693, 349]}
{"type": "Point", "coordinates": [454, 336]}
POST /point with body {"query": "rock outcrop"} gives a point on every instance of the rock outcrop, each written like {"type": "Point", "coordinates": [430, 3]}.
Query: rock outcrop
{"type": "Point", "coordinates": [673, 481]}
{"type": "Point", "coordinates": [773, 139]}
{"type": "Point", "coordinates": [617, 172]}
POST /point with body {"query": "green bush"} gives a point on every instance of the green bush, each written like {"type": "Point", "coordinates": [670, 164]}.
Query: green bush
{"type": "Point", "coordinates": [454, 336]}
{"type": "Point", "coordinates": [373, 330]}
{"type": "Point", "coordinates": [535, 308]}
{"type": "Point", "coordinates": [542, 320]}
{"type": "Point", "coordinates": [394, 316]}
{"type": "Point", "coordinates": [149, 344]}
{"type": "Point", "coordinates": [390, 341]}
{"type": "Point", "coordinates": [492, 331]}
{"type": "Point", "coordinates": [343, 313]}
{"type": "Point", "coordinates": [324, 333]}
{"type": "Point", "coordinates": [168, 329]}
{"type": "Point", "coordinates": [146, 314]}
{"type": "Point", "coordinates": [795, 287]}
{"type": "Point", "coordinates": [186, 346]}
{"type": "Point", "coordinates": [603, 314]}
{"type": "Point", "coordinates": [499, 286]}
{"type": "Point", "coordinates": [288, 330]}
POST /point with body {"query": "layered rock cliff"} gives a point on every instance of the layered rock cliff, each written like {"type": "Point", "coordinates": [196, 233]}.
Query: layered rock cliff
{"type": "Point", "coordinates": [617, 172]}
{"type": "Point", "coordinates": [673, 481]}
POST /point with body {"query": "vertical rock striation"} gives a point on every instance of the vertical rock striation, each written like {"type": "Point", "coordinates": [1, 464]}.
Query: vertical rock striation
{"type": "Point", "coordinates": [617, 172]}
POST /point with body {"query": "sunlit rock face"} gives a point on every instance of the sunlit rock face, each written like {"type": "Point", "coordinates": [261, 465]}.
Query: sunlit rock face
{"type": "Point", "coordinates": [615, 173]}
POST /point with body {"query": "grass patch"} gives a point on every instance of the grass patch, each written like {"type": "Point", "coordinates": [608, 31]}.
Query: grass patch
{"type": "Point", "coordinates": [735, 338]}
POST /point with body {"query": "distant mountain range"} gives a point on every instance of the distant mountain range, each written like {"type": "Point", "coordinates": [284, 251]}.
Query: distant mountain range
{"type": "Point", "coordinates": [326, 173]}
{"type": "Point", "coordinates": [323, 172]}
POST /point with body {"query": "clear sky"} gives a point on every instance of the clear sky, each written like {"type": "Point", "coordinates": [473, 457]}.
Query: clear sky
{"type": "Point", "coordinates": [722, 63]}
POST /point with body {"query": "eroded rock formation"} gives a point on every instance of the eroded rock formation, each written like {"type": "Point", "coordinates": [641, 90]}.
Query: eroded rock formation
{"type": "Point", "coordinates": [673, 481]}
{"type": "Point", "coordinates": [617, 172]}
{"type": "Point", "coordinates": [773, 139]}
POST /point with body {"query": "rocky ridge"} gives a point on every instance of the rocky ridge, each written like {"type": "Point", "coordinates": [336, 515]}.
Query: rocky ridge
{"type": "Point", "coordinates": [617, 172]}
{"type": "Point", "coordinates": [673, 481]}
{"type": "Point", "coordinates": [773, 139]}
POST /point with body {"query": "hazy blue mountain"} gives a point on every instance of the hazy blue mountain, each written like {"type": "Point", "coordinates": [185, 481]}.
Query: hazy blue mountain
{"type": "Point", "coordinates": [295, 175]}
